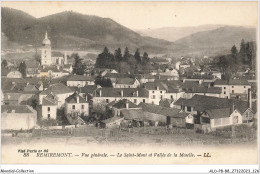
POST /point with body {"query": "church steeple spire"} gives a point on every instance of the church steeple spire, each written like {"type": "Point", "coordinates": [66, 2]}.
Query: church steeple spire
{"type": "Point", "coordinates": [46, 35]}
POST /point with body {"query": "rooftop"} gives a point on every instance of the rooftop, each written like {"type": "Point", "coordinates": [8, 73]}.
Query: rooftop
{"type": "Point", "coordinates": [80, 78]}
{"type": "Point", "coordinates": [73, 99]}
{"type": "Point", "coordinates": [232, 82]}
{"type": "Point", "coordinates": [15, 109]}
{"type": "Point", "coordinates": [116, 92]}
{"type": "Point", "coordinates": [57, 88]}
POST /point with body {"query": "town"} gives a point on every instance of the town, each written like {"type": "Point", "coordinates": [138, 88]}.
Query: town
{"type": "Point", "coordinates": [58, 94]}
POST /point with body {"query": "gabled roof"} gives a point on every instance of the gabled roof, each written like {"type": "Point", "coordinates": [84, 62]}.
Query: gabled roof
{"type": "Point", "coordinates": [212, 90]}
{"type": "Point", "coordinates": [144, 76]}
{"type": "Point", "coordinates": [116, 92]}
{"type": "Point", "coordinates": [159, 109]}
{"type": "Point", "coordinates": [49, 100]}
{"type": "Point", "coordinates": [57, 88]}
{"type": "Point", "coordinates": [128, 81]}
{"type": "Point", "coordinates": [218, 113]}
{"type": "Point", "coordinates": [181, 115]}
{"type": "Point", "coordinates": [202, 103]}
{"type": "Point", "coordinates": [16, 109]}
{"type": "Point", "coordinates": [133, 114]}
{"type": "Point", "coordinates": [56, 54]}
{"type": "Point", "coordinates": [154, 85]}
{"type": "Point", "coordinates": [232, 82]}
{"type": "Point", "coordinates": [73, 99]}
{"type": "Point", "coordinates": [122, 104]}
{"type": "Point", "coordinates": [80, 78]}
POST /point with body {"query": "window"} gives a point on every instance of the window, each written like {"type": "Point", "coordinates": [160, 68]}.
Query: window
{"type": "Point", "coordinates": [232, 86]}
{"type": "Point", "coordinates": [233, 91]}
{"type": "Point", "coordinates": [171, 96]}
{"type": "Point", "coordinates": [107, 101]}
{"type": "Point", "coordinates": [144, 100]}
{"type": "Point", "coordinates": [188, 108]}
{"type": "Point", "coordinates": [152, 102]}
{"type": "Point", "coordinates": [153, 96]}
{"type": "Point", "coordinates": [224, 92]}
{"type": "Point", "coordinates": [183, 108]}
{"type": "Point", "coordinates": [73, 106]}
{"type": "Point", "coordinates": [244, 86]}
{"type": "Point", "coordinates": [82, 106]}
{"type": "Point", "coordinates": [161, 97]}
{"type": "Point", "coordinates": [224, 87]}
{"type": "Point", "coordinates": [49, 109]}
{"type": "Point", "coordinates": [135, 101]}
{"type": "Point", "coordinates": [161, 92]}
{"type": "Point", "coordinates": [49, 116]}
{"type": "Point", "coordinates": [153, 92]}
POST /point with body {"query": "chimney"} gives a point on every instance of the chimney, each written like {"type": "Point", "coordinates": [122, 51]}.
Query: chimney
{"type": "Point", "coordinates": [157, 88]}
{"type": "Point", "coordinates": [77, 98]}
{"type": "Point", "coordinates": [127, 104]}
{"type": "Point", "coordinates": [65, 58]}
{"type": "Point", "coordinates": [136, 93]}
{"type": "Point", "coordinates": [86, 97]}
{"type": "Point", "coordinates": [100, 93]}
{"type": "Point", "coordinates": [122, 93]}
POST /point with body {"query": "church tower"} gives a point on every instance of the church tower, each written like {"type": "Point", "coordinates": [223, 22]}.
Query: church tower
{"type": "Point", "coordinates": [46, 51]}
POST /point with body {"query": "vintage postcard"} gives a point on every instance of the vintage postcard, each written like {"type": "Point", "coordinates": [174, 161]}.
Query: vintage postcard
{"type": "Point", "coordinates": [129, 83]}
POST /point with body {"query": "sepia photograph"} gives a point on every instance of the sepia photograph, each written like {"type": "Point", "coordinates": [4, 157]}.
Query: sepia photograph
{"type": "Point", "coordinates": [129, 83]}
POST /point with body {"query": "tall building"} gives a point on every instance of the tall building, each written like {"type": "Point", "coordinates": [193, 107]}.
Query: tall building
{"type": "Point", "coordinates": [46, 51]}
{"type": "Point", "coordinates": [51, 58]}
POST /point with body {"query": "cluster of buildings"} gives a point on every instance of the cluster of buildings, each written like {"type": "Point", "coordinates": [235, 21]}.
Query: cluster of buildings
{"type": "Point", "coordinates": [162, 98]}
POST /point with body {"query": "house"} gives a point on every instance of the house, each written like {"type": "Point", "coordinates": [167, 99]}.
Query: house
{"type": "Point", "coordinates": [114, 76]}
{"type": "Point", "coordinates": [135, 117]}
{"type": "Point", "coordinates": [59, 90]}
{"type": "Point", "coordinates": [49, 106]}
{"type": "Point", "coordinates": [18, 117]}
{"type": "Point", "coordinates": [170, 72]}
{"type": "Point", "coordinates": [113, 122]}
{"type": "Point", "coordinates": [234, 88]}
{"type": "Point", "coordinates": [126, 83]}
{"type": "Point", "coordinates": [207, 109]}
{"type": "Point", "coordinates": [68, 68]}
{"type": "Point", "coordinates": [76, 104]}
{"type": "Point", "coordinates": [106, 95]}
{"type": "Point", "coordinates": [80, 80]}
{"type": "Point", "coordinates": [201, 90]}
{"type": "Point", "coordinates": [158, 114]}
{"type": "Point", "coordinates": [182, 120]}
{"type": "Point", "coordinates": [144, 78]}
{"type": "Point", "coordinates": [32, 68]}
{"type": "Point", "coordinates": [156, 91]}
{"type": "Point", "coordinates": [118, 106]}
{"type": "Point", "coordinates": [48, 57]}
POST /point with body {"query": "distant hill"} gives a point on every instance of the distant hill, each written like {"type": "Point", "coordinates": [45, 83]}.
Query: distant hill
{"type": "Point", "coordinates": [215, 41]}
{"type": "Point", "coordinates": [70, 30]}
{"type": "Point", "coordinates": [174, 33]}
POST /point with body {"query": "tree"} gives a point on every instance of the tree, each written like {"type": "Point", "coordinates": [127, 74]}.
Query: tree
{"type": "Point", "coordinates": [234, 50]}
{"type": "Point", "coordinates": [4, 63]}
{"type": "Point", "coordinates": [78, 67]}
{"type": "Point", "coordinates": [105, 60]}
{"type": "Point", "coordinates": [145, 58]}
{"type": "Point", "coordinates": [103, 82]}
{"type": "Point", "coordinates": [137, 56]}
{"type": "Point", "coordinates": [22, 68]}
{"type": "Point", "coordinates": [118, 55]}
{"type": "Point", "coordinates": [126, 55]}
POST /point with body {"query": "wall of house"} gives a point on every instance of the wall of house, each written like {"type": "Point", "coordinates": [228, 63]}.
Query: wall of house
{"type": "Point", "coordinates": [79, 83]}
{"type": "Point", "coordinates": [178, 122]}
{"type": "Point", "coordinates": [234, 119]}
{"type": "Point", "coordinates": [189, 119]}
{"type": "Point", "coordinates": [155, 96]}
{"type": "Point", "coordinates": [78, 108]}
{"type": "Point", "coordinates": [247, 115]}
{"type": "Point", "coordinates": [61, 99]}
{"type": "Point", "coordinates": [25, 121]}
{"type": "Point", "coordinates": [52, 112]}
{"type": "Point", "coordinates": [227, 90]}
{"type": "Point", "coordinates": [174, 96]}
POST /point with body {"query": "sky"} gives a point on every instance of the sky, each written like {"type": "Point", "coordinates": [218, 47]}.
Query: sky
{"type": "Point", "coordinates": [151, 15]}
